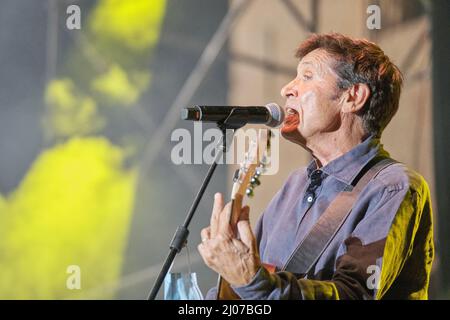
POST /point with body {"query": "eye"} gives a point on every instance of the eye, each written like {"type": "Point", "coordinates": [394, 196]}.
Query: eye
{"type": "Point", "coordinates": [307, 76]}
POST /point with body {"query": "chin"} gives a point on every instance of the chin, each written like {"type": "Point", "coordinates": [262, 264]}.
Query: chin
{"type": "Point", "coordinates": [293, 136]}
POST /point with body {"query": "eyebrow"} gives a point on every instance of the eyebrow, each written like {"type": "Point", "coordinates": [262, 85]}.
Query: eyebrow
{"type": "Point", "coordinates": [308, 63]}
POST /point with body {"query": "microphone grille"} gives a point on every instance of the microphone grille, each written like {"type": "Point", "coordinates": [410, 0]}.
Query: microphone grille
{"type": "Point", "coordinates": [276, 115]}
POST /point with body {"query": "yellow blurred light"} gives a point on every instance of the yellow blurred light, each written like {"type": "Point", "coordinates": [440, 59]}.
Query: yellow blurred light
{"type": "Point", "coordinates": [117, 88]}
{"type": "Point", "coordinates": [72, 208]}
{"type": "Point", "coordinates": [133, 23]}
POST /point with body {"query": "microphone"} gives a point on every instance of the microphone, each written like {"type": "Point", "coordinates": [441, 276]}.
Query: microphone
{"type": "Point", "coordinates": [271, 114]}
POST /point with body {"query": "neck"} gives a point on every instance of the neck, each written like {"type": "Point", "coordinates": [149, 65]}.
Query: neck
{"type": "Point", "coordinates": [328, 146]}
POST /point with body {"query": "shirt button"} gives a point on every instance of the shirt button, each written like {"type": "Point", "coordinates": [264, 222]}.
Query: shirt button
{"type": "Point", "coordinates": [309, 199]}
{"type": "Point", "coordinates": [316, 176]}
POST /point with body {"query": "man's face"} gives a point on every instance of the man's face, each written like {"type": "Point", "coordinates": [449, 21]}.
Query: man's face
{"type": "Point", "coordinates": [312, 105]}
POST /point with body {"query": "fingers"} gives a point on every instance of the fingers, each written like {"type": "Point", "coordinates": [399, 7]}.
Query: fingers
{"type": "Point", "coordinates": [223, 225]}
{"type": "Point", "coordinates": [245, 230]}
{"type": "Point", "coordinates": [220, 221]}
{"type": "Point", "coordinates": [245, 214]}
{"type": "Point", "coordinates": [205, 234]}
{"type": "Point", "coordinates": [204, 254]}
{"type": "Point", "coordinates": [217, 209]}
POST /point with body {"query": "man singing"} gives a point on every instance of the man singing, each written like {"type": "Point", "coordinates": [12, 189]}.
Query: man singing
{"type": "Point", "coordinates": [345, 93]}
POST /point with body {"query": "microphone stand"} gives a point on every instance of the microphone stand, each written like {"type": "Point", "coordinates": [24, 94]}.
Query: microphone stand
{"type": "Point", "coordinates": [179, 239]}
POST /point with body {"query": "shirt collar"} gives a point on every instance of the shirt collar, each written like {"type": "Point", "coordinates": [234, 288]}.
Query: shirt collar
{"type": "Point", "coordinates": [346, 167]}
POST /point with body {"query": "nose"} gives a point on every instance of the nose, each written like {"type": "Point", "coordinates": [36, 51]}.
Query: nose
{"type": "Point", "coordinates": [289, 89]}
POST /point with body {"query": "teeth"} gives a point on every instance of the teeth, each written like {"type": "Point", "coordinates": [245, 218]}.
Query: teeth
{"type": "Point", "coordinates": [290, 111]}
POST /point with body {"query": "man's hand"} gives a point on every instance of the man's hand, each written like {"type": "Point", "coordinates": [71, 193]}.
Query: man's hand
{"type": "Point", "coordinates": [236, 260]}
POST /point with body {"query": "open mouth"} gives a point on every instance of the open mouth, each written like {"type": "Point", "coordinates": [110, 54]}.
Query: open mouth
{"type": "Point", "coordinates": [291, 120]}
{"type": "Point", "coordinates": [291, 111]}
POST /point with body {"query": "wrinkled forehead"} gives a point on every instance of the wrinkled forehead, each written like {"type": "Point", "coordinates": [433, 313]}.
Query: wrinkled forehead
{"type": "Point", "coordinates": [318, 59]}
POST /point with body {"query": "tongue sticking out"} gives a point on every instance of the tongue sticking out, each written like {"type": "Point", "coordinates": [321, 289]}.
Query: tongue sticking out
{"type": "Point", "coordinates": [291, 121]}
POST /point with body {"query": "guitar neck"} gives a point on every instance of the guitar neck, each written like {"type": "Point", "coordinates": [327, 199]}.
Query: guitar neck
{"type": "Point", "coordinates": [236, 205]}
{"type": "Point", "coordinates": [245, 180]}
{"type": "Point", "coordinates": [224, 290]}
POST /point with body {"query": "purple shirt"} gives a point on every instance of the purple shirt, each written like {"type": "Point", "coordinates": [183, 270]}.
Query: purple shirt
{"type": "Point", "coordinates": [384, 249]}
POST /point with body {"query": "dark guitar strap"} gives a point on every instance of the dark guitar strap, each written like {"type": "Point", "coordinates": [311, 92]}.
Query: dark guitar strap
{"type": "Point", "coordinates": [317, 240]}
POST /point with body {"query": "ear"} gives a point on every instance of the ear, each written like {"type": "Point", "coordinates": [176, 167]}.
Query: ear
{"type": "Point", "coordinates": [356, 97]}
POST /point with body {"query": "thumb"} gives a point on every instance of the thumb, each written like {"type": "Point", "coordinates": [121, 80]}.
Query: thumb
{"type": "Point", "coordinates": [245, 214]}
{"type": "Point", "coordinates": [245, 230]}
